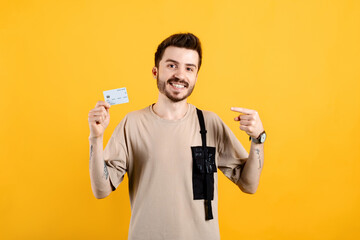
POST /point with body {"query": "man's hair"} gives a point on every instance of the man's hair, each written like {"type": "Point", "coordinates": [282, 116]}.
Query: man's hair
{"type": "Point", "coordinates": [181, 40]}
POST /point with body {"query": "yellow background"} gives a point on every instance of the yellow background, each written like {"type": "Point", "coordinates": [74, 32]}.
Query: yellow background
{"type": "Point", "coordinates": [295, 62]}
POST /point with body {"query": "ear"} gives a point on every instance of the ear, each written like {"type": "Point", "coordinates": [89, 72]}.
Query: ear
{"type": "Point", "coordinates": [154, 72]}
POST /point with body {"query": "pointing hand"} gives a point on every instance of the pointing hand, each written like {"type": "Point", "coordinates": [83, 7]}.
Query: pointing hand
{"type": "Point", "coordinates": [249, 121]}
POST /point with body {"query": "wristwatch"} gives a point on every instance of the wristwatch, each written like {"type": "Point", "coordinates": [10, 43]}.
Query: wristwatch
{"type": "Point", "coordinates": [260, 139]}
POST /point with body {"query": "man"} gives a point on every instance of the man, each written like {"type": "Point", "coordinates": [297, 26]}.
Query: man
{"type": "Point", "coordinates": [170, 158]}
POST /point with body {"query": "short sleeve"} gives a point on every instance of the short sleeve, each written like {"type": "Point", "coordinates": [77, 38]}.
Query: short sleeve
{"type": "Point", "coordinates": [232, 155]}
{"type": "Point", "coordinates": [116, 155]}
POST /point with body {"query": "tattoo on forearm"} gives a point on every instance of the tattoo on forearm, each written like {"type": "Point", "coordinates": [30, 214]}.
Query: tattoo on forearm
{"type": "Point", "coordinates": [91, 150]}
{"type": "Point", "coordinates": [258, 154]}
{"type": "Point", "coordinates": [106, 173]}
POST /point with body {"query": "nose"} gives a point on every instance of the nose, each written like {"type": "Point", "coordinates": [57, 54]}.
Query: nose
{"type": "Point", "coordinates": [180, 74]}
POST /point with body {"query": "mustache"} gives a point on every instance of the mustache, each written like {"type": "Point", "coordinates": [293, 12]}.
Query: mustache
{"type": "Point", "coordinates": [177, 80]}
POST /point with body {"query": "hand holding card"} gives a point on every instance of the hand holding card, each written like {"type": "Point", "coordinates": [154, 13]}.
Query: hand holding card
{"type": "Point", "coordinates": [99, 119]}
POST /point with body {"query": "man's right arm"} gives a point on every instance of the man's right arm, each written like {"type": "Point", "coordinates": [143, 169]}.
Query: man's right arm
{"type": "Point", "coordinates": [99, 119]}
{"type": "Point", "coordinates": [99, 174]}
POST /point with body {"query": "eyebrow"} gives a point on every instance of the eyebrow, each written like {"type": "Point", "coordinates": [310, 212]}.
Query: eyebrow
{"type": "Point", "coordinates": [187, 64]}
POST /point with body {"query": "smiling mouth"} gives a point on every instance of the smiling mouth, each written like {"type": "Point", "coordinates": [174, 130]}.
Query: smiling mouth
{"type": "Point", "coordinates": [178, 84]}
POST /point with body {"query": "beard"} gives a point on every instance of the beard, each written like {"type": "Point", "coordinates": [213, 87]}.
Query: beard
{"type": "Point", "coordinates": [174, 98]}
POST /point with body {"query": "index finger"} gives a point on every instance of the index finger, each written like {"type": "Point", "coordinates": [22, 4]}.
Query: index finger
{"type": "Point", "coordinates": [242, 110]}
{"type": "Point", "coordinates": [103, 103]}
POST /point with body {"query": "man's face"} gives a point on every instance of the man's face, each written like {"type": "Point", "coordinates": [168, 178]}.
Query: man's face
{"type": "Point", "coordinates": [177, 73]}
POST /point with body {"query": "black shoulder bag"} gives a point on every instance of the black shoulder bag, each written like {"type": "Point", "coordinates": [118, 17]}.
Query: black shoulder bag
{"type": "Point", "coordinates": [203, 169]}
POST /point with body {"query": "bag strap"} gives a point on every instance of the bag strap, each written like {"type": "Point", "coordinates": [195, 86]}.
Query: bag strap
{"type": "Point", "coordinates": [202, 127]}
{"type": "Point", "coordinates": [208, 188]}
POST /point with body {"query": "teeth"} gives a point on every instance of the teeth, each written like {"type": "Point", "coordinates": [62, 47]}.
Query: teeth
{"type": "Point", "coordinates": [177, 85]}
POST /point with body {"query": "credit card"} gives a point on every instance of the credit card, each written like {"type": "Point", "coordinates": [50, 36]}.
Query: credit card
{"type": "Point", "coordinates": [116, 96]}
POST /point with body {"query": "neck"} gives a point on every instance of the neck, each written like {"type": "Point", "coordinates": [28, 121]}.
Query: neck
{"type": "Point", "coordinates": [169, 110]}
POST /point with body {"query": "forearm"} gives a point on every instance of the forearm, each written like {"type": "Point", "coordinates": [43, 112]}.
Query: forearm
{"type": "Point", "coordinates": [99, 175]}
{"type": "Point", "coordinates": [250, 176]}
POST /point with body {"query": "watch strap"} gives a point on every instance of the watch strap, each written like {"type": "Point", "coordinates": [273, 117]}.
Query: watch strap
{"type": "Point", "coordinates": [258, 139]}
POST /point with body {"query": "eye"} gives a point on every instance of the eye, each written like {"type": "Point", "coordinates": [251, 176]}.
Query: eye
{"type": "Point", "coordinates": [171, 65]}
{"type": "Point", "coordinates": [190, 69]}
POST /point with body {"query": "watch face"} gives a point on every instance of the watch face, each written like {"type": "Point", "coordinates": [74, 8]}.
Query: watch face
{"type": "Point", "coordinates": [263, 137]}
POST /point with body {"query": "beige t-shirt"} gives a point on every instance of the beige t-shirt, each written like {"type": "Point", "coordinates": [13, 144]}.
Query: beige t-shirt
{"type": "Point", "coordinates": [156, 154]}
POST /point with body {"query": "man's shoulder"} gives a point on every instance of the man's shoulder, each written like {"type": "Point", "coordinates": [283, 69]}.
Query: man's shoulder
{"type": "Point", "coordinates": [132, 117]}
{"type": "Point", "coordinates": [136, 114]}
{"type": "Point", "coordinates": [210, 115]}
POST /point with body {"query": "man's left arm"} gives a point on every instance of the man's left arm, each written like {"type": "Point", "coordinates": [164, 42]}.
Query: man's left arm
{"type": "Point", "coordinates": [250, 123]}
